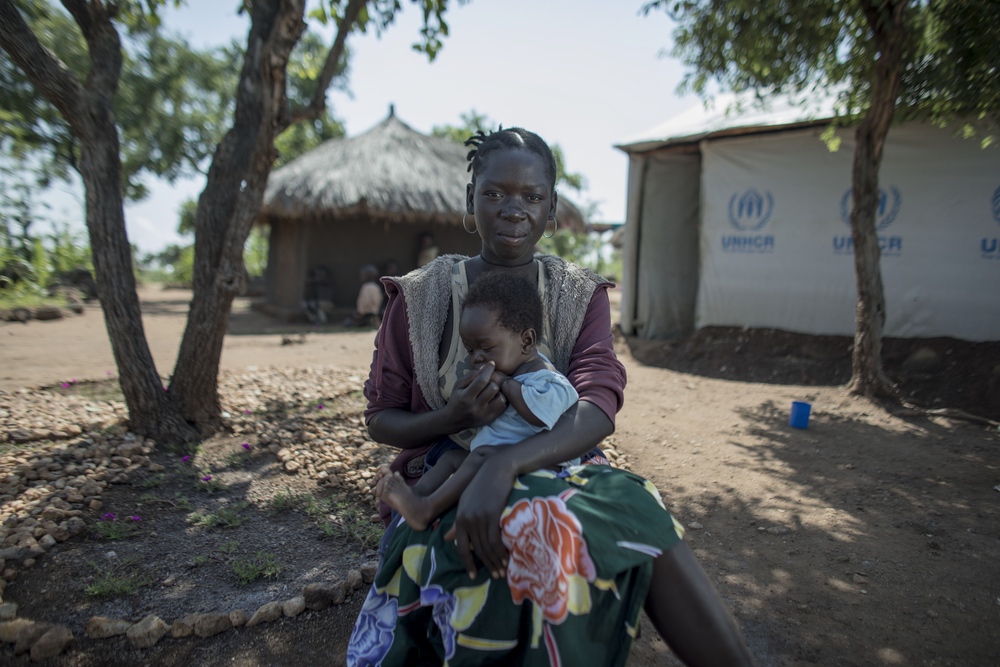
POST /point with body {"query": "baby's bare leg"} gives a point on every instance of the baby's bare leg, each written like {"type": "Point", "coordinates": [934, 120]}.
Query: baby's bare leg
{"type": "Point", "coordinates": [427, 508]}
{"type": "Point", "coordinates": [439, 473]}
{"type": "Point", "coordinates": [421, 504]}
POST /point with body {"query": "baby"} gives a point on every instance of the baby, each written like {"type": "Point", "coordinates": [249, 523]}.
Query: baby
{"type": "Point", "coordinates": [500, 325]}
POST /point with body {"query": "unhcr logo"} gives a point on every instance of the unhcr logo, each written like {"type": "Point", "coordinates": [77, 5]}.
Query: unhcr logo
{"type": "Point", "coordinates": [751, 210]}
{"type": "Point", "coordinates": [886, 212]}
{"type": "Point", "coordinates": [748, 212]}
{"type": "Point", "coordinates": [990, 247]}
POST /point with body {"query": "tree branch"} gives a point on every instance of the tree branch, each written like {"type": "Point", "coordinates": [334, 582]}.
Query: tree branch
{"type": "Point", "coordinates": [49, 74]}
{"type": "Point", "coordinates": [80, 13]}
{"type": "Point", "coordinates": [317, 105]}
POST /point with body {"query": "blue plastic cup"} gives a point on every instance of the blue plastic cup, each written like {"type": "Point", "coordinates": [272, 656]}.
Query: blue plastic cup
{"type": "Point", "coordinates": [800, 414]}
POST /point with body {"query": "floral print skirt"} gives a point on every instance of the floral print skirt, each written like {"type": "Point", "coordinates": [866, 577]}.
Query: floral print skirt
{"type": "Point", "coordinates": [581, 543]}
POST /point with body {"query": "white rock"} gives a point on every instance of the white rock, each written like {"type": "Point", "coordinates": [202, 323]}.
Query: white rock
{"type": "Point", "coordinates": [102, 627]}
{"type": "Point", "coordinates": [147, 632]}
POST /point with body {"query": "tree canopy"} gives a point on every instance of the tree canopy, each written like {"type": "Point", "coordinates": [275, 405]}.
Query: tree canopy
{"type": "Point", "coordinates": [185, 94]}
{"type": "Point", "coordinates": [951, 53]}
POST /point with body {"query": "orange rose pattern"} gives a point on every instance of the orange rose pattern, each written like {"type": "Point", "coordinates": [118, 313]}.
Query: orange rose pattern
{"type": "Point", "coordinates": [546, 546]}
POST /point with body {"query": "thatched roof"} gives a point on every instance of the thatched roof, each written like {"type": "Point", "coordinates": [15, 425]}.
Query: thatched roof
{"type": "Point", "coordinates": [391, 173]}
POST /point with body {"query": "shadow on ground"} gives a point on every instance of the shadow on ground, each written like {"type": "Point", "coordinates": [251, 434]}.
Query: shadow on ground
{"type": "Point", "coordinates": [952, 373]}
{"type": "Point", "coordinates": [880, 544]}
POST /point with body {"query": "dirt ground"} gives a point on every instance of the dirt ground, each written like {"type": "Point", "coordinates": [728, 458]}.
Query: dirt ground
{"type": "Point", "coordinates": [870, 538]}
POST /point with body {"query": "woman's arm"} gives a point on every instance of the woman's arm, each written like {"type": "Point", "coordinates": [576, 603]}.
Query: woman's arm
{"type": "Point", "coordinates": [475, 401]}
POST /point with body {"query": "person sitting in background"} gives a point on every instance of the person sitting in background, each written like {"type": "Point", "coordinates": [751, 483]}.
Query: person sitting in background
{"type": "Point", "coordinates": [317, 298]}
{"type": "Point", "coordinates": [369, 303]}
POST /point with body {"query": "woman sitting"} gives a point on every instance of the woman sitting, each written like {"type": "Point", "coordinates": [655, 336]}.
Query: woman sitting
{"type": "Point", "coordinates": [532, 567]}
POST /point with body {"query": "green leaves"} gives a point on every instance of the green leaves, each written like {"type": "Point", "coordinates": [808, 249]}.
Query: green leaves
{"type": "Point", "coordinates": [172, 105]}
{"type": "Point", "coordinates": [380, 14]}
{"type": "Point", "coordinates": [951, 50]}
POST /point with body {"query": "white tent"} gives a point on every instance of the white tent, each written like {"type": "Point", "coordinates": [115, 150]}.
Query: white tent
{"type": "Point", "coordinates": [743, 221]}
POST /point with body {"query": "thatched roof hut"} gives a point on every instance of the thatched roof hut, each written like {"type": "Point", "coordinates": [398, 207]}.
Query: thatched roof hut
{"type": "Point", "coordinates": [367, 199]}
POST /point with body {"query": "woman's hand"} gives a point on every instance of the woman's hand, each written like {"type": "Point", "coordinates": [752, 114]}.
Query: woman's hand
{"type": "Point", "coordinates": [477, 522]}
{"type": "Point", "coordinates": [476, 399]}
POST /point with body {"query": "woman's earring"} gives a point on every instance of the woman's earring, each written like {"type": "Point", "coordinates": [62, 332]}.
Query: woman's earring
{"type": "Point", "coordinates": [471, 231]}
{"type": "Point", "coordinates": [555, 226]}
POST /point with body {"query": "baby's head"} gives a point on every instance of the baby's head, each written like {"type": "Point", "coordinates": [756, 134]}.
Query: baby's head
{"type": "Point", "coordinates": [501, 321]}
{"type": "Point", "coordinates": [368, 273]}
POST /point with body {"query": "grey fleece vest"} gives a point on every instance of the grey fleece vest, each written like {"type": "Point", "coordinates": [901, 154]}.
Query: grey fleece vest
{"type": "Point", "coordinates": [427, 294]}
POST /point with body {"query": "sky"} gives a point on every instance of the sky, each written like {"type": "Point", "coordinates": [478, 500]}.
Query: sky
{"type": "Point", "coordinates": [584, 74]}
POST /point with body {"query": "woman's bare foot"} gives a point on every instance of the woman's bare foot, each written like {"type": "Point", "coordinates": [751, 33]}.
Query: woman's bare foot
{"type": "Point", "coordinates": [399, 496]}
{"type": "Point", "coordinates": [378, 482]}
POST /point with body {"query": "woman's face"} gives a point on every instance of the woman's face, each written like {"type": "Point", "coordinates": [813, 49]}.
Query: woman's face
{"type": "Point", "coordinates": [485, 340]}
{"type": "Point", "coordinates": [512, 200]}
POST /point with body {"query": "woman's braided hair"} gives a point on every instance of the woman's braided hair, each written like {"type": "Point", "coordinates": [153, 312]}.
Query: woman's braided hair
{"type": "Point", "coordinates": [513, 299]}
{"type": "Point", "coordinates": [515, 137]}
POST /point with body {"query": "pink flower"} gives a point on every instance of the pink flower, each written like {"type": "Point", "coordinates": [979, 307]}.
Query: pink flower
{"type": "Point", "coordinates": [110, 516]}
{"type": "Point", "coordinates": [546, 547]}
{"type": "Point", "coordinates": [185, 458]}
{"type": "Point", "coordinates": [246, 412]}
{"type": "Point", "coordinates": [246, 446]}
{"type": "Point", "coordinates": [136, 518]}
{"type": "Point", "coordinates": [64, 385]}
{"type": "Point", "coordinates": [319, 406]}
{"type": "Point", "coordinates": [206, 478]}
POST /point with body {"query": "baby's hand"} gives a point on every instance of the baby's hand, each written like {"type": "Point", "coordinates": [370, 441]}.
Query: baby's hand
{"type": "Point", "coordinates": [499, 377]}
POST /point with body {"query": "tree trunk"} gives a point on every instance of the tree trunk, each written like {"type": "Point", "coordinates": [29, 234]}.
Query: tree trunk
{"type": "Point", "coordinates": [230, 203]}
{"type": "Point", "coordinates": [886, 21]}
{"type": "Point", "coordinates": [90, 112]}
{"type": "Point", "coordinates": [149, 407]}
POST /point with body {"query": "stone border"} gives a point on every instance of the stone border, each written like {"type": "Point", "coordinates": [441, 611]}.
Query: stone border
{"type": "Point", "coordinates": [43, 640]}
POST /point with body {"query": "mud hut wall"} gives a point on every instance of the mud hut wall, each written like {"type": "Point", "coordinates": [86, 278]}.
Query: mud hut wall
{"type": "Point", "coordinates": [286, 270]}
{"type": "Point", "coordinates": [344, 246]}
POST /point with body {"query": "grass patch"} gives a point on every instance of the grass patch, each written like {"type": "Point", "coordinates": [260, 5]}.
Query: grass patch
{"type": "Point", "coordinates": [251, 568]}
{"type": "Point", "coordinates": [360, 528]}
{"type": "Point", "coordinates": [353, 523]}
{"type": "Point", "coordinates": [199, 560]}
{"type": "Point", "coordinates": [182, 503]}
{"type": "Point", "coordinates": [283, 501]}
{"type": "Point", "coordinates": [154, 481]}
{"type": "Point", "coordinates": [224, 517]}
{"type": "Point", "coordinates": [118, 581]}
{"type": "Point", "coordinates": [307, 503]}
{"type": "Point", "coordinates": [110, 527]}
{"type": "Point", "coordinates": [208, 482]}
{"type": "Point", "coordinates": [336, 518]}
{"type": "Point", "coordinates": [230, 547]}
